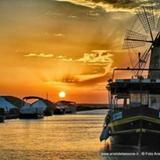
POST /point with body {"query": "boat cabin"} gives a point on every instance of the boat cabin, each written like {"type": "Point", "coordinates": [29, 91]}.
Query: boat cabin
{"type": "Point", "coordinates": [130, 93]}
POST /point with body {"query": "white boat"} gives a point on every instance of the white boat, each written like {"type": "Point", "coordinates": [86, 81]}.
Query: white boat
{"type": "Point", "coordinates": [29, 111]}
{"type": "Point", "coordinates": [10, 110]}
{"type": "Point", "coordinates": [67, 106]}
{"type": "Point", "coordinates": [38, 108]}
{"type": "Point", "coordinates": [49, 107]}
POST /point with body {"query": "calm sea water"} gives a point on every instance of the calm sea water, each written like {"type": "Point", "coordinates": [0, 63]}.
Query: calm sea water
{"type": "Point", "coordinates": [66, 137]}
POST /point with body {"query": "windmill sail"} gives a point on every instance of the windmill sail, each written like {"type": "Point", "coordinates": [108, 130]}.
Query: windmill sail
{"type": "Point", "coordinates": [134, 38]}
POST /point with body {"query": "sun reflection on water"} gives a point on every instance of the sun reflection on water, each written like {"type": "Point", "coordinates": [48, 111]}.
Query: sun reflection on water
{"type": "Point", "coordinates": [56, 137]}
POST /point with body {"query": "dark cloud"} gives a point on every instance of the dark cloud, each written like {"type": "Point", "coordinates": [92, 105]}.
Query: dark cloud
{"type": "Point", "coordinates": [121, 3]}
{"type": "Point", "coordinates": [126, 3]}
{"type": "Point", "coordinates": [71, 80]}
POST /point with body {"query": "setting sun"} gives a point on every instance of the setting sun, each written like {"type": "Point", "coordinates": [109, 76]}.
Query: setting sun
{"type": "Point", "coordinates": [62, 94]}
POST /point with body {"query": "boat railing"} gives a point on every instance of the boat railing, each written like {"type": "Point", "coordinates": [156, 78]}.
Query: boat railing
{"type": "Point", "coordinates": [131, 70]}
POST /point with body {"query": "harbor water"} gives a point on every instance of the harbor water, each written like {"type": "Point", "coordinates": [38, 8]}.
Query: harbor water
{"type": "Point", "coordinates": [66, 137]}
{"type": "Point", "coordinates": [63, 137]}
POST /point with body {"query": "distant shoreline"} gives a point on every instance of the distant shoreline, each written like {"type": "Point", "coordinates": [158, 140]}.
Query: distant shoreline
{"type": "Point", "coordinates": [89, 106]}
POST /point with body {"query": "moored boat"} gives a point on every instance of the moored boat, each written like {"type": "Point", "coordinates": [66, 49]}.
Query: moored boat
{"type": "Point", "coordinates": [67, 106]}
{"type": "Point", "coordinates": [10, 110]}
{"type": "Point", "coordinates": [134, 117]}
{"type": "Point", "coordinates": [30, 112]}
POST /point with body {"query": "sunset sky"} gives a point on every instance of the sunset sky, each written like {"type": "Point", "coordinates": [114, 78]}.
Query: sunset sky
{"type": "Point", "coordinates": [48, 46]}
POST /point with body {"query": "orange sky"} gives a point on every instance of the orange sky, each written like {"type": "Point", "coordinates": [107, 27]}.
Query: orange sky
{"type": "Point", "coordinates": [47, 46]}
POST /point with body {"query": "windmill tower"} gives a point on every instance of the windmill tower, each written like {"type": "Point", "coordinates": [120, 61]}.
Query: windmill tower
{"type": "Point", "coordinates": [149, 19]}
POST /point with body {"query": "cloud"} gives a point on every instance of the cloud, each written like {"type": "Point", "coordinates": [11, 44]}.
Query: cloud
{"type": "Point", "coordinates": [58, 35]}
{"type": "Point", "coordinates": [94, 67]}
{"type": "Point", "coordinates": [112, 5]}
{"type": "Point", "coordinates": [122, 3]}
{"type": "Point", "coordinates": [91, 79]}
{"type": "Point", "coordinates": [93, 14]}
{"type": "Point", "coordinates": [99, 4]}
{"type": "Point", "coordinates": [83, 79]}
{"type": "Point", "coordinates": [43, 55]}
{"type": "Point", "coordinates": [64, 58]}
{"type": "Point", "coordinates": [72, 16]}
{"type": "Point", "coordinates": [100, 63]}
{"type": "Point", "coordinates": [97, 56]}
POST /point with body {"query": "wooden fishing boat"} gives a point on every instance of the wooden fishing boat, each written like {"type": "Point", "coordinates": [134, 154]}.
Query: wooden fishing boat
{"type": "Point", "coordinates": [134, 117]}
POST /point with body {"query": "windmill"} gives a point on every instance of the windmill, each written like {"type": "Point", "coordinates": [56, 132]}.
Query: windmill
{"type": "Point", "coordinates": [149, 19]}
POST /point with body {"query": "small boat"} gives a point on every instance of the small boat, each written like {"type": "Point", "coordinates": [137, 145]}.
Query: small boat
{"type": "Point", "coordinates": [67, 106]}
{"type": "Point", "coordinates": [59, 110]}
{"type": "Point", "coordinates": [30, 112]}
{"type": "Point", "coordinates": [10, 110]}
{"type": "Point", "coordinates": [47, 106]}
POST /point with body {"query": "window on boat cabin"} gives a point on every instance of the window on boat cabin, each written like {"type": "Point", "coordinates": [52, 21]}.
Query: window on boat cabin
{"type": "Point", "coordinates": [154, 101]}
{"type": "Point", "coordinates": [121, 100]}
{"type": "Point", "coordinates": [138, 99]}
